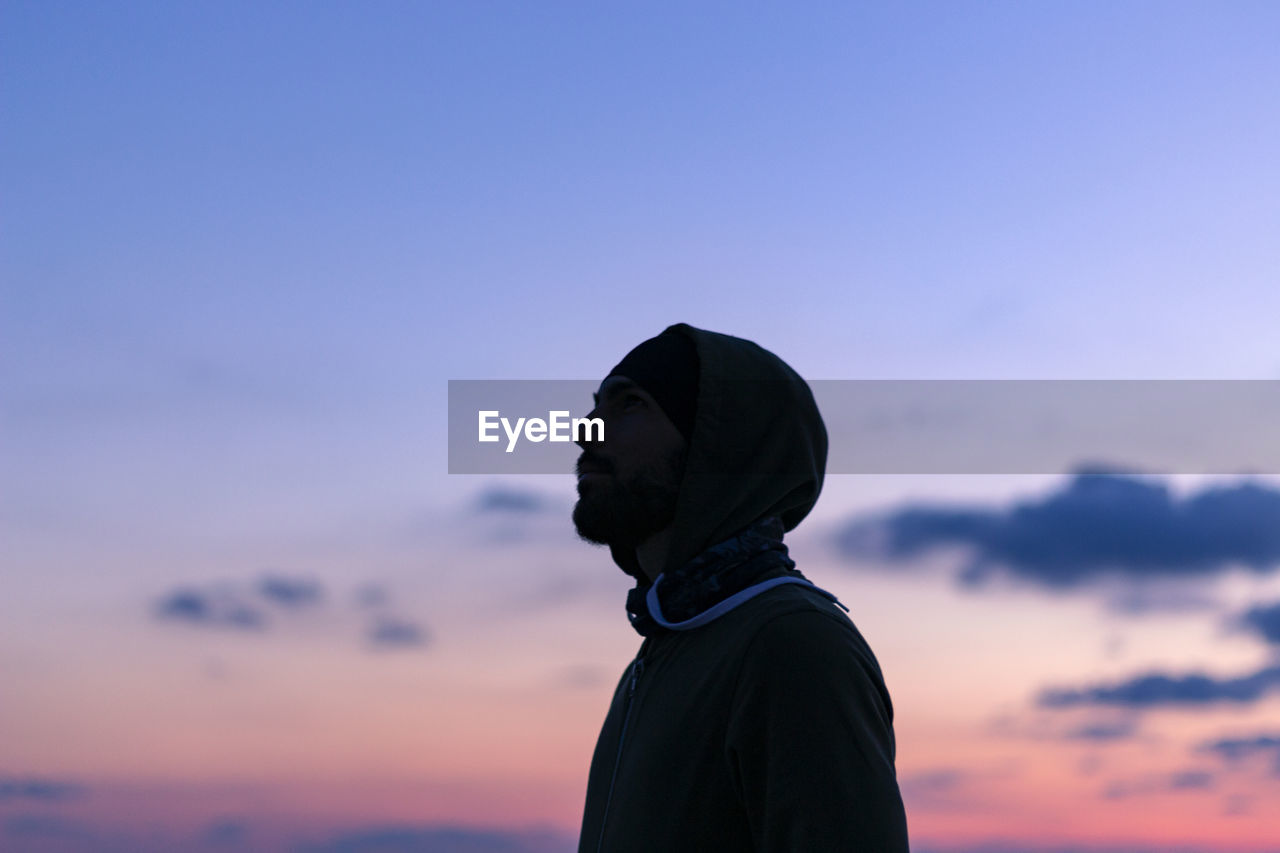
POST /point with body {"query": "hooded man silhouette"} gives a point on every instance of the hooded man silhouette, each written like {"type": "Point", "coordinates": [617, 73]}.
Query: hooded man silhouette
{"type": "Point", "coordinates": [754, 716]}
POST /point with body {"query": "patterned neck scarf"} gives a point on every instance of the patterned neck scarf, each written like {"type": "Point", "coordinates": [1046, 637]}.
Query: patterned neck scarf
{"type": "Point", "coordinates": [753, 556]}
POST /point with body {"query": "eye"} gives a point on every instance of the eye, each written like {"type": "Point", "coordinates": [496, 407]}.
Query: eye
{"type": "Point", "coordinates": [632, 400]}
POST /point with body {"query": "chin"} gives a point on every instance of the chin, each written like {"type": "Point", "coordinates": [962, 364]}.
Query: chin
{"type": "Point", "coordinates": [610, 515]}
{"type": "Point", "coordinates": [591, 518]}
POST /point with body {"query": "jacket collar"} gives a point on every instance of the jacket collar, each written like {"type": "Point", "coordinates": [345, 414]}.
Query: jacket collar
{"type": "Point", "coordinates": [715, 581]}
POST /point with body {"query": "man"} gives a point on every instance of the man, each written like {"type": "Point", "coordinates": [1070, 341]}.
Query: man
{"type": "Point", "coordinates": [754, 717]}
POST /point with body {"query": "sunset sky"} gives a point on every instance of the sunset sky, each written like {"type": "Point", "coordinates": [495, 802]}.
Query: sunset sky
{"type": "Point", "coordinates": [244, 247]}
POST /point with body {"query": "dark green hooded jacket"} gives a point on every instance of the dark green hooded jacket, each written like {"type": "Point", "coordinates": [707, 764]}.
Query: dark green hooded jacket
{"type": "Point", "coordinates": [767, 727]}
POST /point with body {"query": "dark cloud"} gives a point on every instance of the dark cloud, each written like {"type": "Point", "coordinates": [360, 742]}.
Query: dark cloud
{"type": "Point", "coordinates": [1097, 525]}
{"type": "Point", "coordinates": [208, 608]}
{"type": "Point", "coordinates": [1263, 620]}
{"type": "Point", "coordinates": [1160, 690]}
{"type": "Point", "coordinates": [505, 499]}
{"type": "Point", "coordinates": [290, 592]}
{"type": "Point", "coordinates": [38, 790]}
{"type": "Point", "coordinates": [392, 633]}
{"type": "Point", "coordinates": [409, 839]}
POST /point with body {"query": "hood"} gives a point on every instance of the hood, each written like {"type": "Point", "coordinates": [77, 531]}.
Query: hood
{"type": "Point", "coordinates": [758, 448]}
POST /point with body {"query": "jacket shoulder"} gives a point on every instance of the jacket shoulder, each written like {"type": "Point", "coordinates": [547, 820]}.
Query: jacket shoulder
{"type": "Point", "coordinates": [810, 741]}
{"type": "Point", "coordinates": [799, 637]}
{"type": "Point", "coordinates": [796, 614]}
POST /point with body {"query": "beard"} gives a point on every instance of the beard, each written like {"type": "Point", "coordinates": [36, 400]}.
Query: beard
{"type": "Point", "coordinates": [625, 513]}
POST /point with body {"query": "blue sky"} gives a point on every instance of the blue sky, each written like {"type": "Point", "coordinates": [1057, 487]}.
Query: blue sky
{"type": "Point", "coordinates": [244, 217]}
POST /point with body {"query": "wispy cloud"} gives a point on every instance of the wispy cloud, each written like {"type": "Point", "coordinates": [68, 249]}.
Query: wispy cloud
{"type": "Point", "coordinates": [372, 595]}
{"type": "Point", "coordinates": [1026, 847]}
{"type": "Point", "coordinates": [234, 606]}
{"type": "Point", "coordinates": [1154, 690]}
{"type": "Point", "coordinates": [35, 789]}
{"type": "Point", "coordinates": [290, 592]}
{"type": "Point", "coordinates": [1097, 728]}
{"type": "Point", "coordinates": [951, 788]}
{"type": "Point", "coordinates": [244, 605]}
{"type": "Point", "coordinates": [444, 839]}
{"type": "Point", "coordinates": [932, 782]}
{"type": "Point", "coordinates": [392, 633]}
{"type": "Point", "coordinates": [53, 832]}
{"type": "Point", "coordinates": [1104, 731]}
{"type": "Point", "coordinates": [1190, 780]}
{"type": "Point", "coordinates": [227, 834]}
{"type": "Point", "coordinates": [31, 831]}
{"type": "Point", "coordinates": [507, 499]}
{"type": "Point", "coordinates": [1182, 780]}
{"type": "Point", "coordinates": [218, 608]}
{"type": "Point", "coordinates": [1097, 525]}
{"type": "Point", "coordinates": [1236, 748]}
{"type": "Point", "coordinates": [1148, 598]}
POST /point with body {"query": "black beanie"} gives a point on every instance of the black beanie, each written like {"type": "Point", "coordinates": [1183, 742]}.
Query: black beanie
{"type": "Point", "coordinates": [666, 366]}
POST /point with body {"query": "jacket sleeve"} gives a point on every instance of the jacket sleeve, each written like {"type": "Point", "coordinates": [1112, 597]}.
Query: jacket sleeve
{"type": "Point", "coordinates": [810, 741]}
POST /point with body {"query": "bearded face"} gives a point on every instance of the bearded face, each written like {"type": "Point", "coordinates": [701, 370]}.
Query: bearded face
{"type": "Point", "coordinates": [628, 482]}
{"type": "Point", "coordinates": [625, 509]}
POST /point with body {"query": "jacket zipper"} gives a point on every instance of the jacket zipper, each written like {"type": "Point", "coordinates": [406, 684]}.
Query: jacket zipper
{"type": "Point", "coordinates": [637, 667]}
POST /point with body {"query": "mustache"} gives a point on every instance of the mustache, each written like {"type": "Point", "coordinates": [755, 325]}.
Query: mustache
{"type": "Point", "coordinates": [588, 464]}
